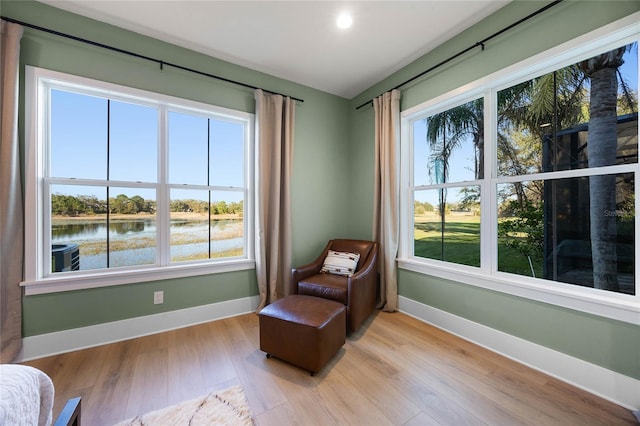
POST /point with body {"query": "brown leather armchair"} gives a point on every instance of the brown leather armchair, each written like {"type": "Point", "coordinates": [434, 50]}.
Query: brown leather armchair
{"type": "Point", "coordinates": [357, 292]}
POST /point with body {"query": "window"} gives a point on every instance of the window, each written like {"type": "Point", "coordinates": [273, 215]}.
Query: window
{"type": "Point", "coordinates": [577, 227]}
{"type": "Point", "coordinates": [122, 180]}
{"type": "Point", "coordinates": [528, 182]}
{"type": "Point", "coordinates": [448, 151]}
{"type": "Point", "coordinates": [207, 182]}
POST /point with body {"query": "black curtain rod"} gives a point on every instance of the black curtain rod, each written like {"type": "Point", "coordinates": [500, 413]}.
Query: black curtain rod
{"type": "Point", "coordinates": [478, 44]}
{"type": "Point", "coordinates": [137, 55]}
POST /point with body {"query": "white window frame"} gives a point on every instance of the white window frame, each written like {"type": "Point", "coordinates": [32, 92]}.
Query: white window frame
{"type": "Point", "coordinates": [37, 223]}
{"type": "Point", "coordinates": [608, 304]}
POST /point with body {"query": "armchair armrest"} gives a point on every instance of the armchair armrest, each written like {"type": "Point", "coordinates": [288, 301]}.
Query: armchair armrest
{"type": "Point", "coordinates": [363, 290]}
{"type": "Point", "coordinates": [371, 264]}
{"type": "Point", "coordinates": [305, 271]}
{"type": "Point", "coordinates": [368, 272]}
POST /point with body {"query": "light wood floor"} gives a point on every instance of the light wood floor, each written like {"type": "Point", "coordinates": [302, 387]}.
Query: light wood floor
{"type": "Point", "coordinates": [395, 370]}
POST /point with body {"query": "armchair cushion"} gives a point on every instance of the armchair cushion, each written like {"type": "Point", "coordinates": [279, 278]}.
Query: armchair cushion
{"type": "Point", "coordinates": [340, 263]}
{"type": "Point", "coordinates": [327, 286]}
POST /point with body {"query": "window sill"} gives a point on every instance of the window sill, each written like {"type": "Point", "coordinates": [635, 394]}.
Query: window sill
{"type": "Point", "coordinates": [75, 281]}
{"type": "Point", "coordinates": [616, 306]}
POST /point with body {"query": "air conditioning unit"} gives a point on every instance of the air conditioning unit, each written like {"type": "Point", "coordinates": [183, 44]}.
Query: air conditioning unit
{"type": "Point", "coordinates": [65, 257]}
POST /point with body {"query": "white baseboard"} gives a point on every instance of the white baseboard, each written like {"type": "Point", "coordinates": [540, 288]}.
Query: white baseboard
{"type": "Point", "coordinates": [615, 387]}
{"type": "Point", "coordinates": [95, 335]}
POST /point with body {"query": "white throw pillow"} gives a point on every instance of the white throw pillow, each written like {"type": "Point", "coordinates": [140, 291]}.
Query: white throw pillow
{"type": "Point", "coordinates": [340, 263]}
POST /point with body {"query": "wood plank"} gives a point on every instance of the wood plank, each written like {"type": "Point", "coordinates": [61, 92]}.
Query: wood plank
{"type": "Point", "coordinates": [344, 403]}
{"type": "Point", "coordinates": [363, 373]}
{"type": "Point", "coordinates": [113, 384]}
{"type": "Point", "coordinates": [185, 379]}
{"type": "Point", "coordinates": [262, 388]}
{"type": "Point", "coordinates": [149, 383]}
{"type": "Point", "coordinates": [215, 359]}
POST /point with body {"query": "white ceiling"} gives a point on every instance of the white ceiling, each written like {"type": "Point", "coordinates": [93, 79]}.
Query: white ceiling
{"type": "Point", "coordinates": [297, 40]}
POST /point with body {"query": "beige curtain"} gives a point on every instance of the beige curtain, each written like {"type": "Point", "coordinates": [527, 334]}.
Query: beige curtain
{"type": "Point", "coordinates": [275, 116]}
{"type": "Point", "coordinates": [386, 207]}
{"type": "Point", "coordinates": [11, 207]}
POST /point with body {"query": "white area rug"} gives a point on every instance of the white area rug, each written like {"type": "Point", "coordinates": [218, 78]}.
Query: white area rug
{"type": "Point", "coordinates": [227, 407]}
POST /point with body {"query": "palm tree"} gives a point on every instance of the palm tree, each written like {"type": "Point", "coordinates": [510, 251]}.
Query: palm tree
{"type": "Point", "coordinates": [448, 129]}
{"type": "Point", "coordinates": [602, 146]}
{"type": "Point", "coordinates": [557, 100]}
{"type": "Point", "coordinates": [446, 132]}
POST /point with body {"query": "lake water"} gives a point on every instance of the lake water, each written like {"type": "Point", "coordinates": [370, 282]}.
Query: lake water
{"type": "Point", "coordinates": [133, 242]}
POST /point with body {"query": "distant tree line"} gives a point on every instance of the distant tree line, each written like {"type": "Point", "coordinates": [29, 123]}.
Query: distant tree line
{"type": "Point", "coordinates": [469, 203]}
{"type": "Point", "coordinates": [422, 207]}
{"type": "Point", "coordinates": [81, 205]}
{"type": "Point", "coordinates": [199, 206]}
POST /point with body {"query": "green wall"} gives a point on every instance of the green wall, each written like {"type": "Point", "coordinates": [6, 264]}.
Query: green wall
{"type": "Point", "coordinates": [608, 343]}
{"type": "Point", "coordinates": [333, 145]}
{"type": "Point", "coordinates": [319, 172]}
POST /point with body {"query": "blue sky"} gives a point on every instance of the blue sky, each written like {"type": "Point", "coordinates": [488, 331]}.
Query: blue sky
{"type": "Point", "coordinates": [79, 147]}
{"type": "Point", "coordinates": [460, 165]}
{"type": "Point", "coordinates": [629, 69]}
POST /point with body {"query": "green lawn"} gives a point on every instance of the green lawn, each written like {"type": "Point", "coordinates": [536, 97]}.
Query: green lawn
{"type": "Point", "coordinates": [461, 243]}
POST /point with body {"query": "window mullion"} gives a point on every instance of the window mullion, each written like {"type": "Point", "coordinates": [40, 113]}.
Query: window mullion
{"type": "Point", "coordinates": [406, 190]}
{"type": "Point", "coordinates": [488, 195]}
{"type": "Point", "coordinates": [163, 218]}
{"type": "Point", "coordinates": [209, 183]}
{"type": "Point", "coordinates": [43, 190]}
{"type": "Point", "coordinates": [637, 235]}
{"type": "Point", "coordinates": [108, 141]}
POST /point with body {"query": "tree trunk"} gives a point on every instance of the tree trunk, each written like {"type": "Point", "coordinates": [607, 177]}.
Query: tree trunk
{"type": "Point", "coordinates": [479, 144]}
{"type": "Point", "coordinates": [602, 148]}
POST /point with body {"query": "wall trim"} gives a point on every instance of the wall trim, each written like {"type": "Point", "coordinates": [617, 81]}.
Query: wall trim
{"type": "Point", "coordinates": [59, 342]}
{"type": "Point", "coordinates": [615, 387]}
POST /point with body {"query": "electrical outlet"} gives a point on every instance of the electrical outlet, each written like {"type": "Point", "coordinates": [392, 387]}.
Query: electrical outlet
{"type": "Point", "coordinates": [158, 297]}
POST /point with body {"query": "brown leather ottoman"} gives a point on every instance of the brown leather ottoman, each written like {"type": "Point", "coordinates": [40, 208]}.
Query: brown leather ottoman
{"type": "Point", "coordinates": [306, 331]}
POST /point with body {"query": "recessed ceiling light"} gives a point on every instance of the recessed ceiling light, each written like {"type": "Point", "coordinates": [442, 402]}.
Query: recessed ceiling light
{"type": "Point", "coordinates": [344, 21]}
